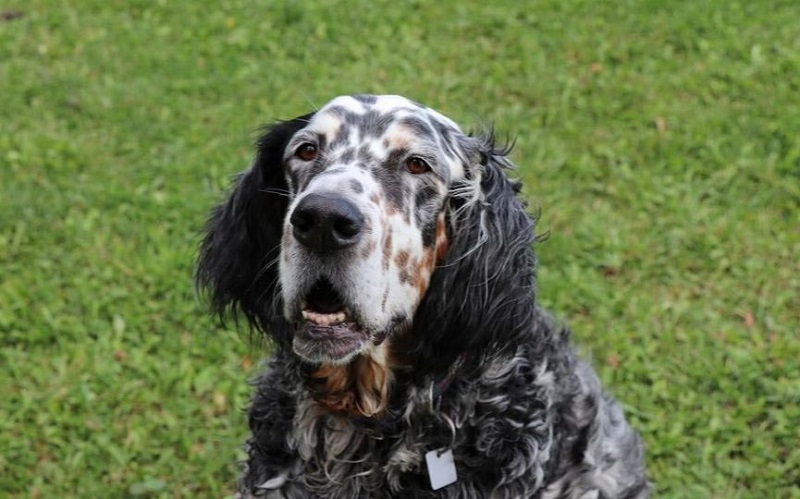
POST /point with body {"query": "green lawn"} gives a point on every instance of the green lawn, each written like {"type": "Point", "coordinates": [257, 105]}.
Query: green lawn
{"type": "Point", "coordinates": [660, 139]}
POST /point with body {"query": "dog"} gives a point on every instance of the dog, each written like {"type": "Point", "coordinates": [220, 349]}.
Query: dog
{"type": "Point", "coordinates": [387, 256]}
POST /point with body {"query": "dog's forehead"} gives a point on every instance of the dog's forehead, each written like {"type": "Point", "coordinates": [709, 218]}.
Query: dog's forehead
{"type": "Point", "coordinates": [374, 114]}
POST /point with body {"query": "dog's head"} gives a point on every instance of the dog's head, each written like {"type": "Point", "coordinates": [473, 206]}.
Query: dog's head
{"type": "Point", "coordinates": [334, 239]}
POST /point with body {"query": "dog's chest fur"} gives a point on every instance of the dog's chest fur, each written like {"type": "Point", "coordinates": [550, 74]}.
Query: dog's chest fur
{"type": "Point", "coordinates": [498, 423]}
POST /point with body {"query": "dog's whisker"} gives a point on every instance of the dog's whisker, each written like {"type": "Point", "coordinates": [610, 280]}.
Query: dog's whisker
{"type": "Point", "coordinates": [279, 192]}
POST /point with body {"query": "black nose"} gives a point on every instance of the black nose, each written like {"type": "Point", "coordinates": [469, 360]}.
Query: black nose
{"type": "Point", "coordinates": [326, 222]}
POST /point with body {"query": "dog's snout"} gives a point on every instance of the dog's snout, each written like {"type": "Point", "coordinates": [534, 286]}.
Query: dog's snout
{"type": "Point", "coordinates": [326, 222]}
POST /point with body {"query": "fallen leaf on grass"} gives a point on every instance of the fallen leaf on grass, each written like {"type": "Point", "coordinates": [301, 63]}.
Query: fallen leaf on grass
{"type": "Point", "coordinates": [220, 402]}
{"type": "Point", "coordinates": [610, 270]}
{"type": "Point", "coordinates": [147, 487]}
{"type": "Point", "coordinates": [661, 125]}
{"type": "Point", "coordinates": [10, 15]}
{"type": "Point", "coordinates": [749, 321]}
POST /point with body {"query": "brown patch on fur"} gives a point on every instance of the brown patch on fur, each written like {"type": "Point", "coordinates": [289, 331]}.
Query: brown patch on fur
{"type": "Point", "coordinates": [385, 297]}
{"type": "Point", "coordinates": [422, 287]}
{"type": "Point", "coordinates": [332, 388]}
{"type": "Point", "coordinates": [442, 243]}
{"type": "Point", "coordinates": [404, 267]}
{"type": "Point", "coordinates": [368, 249]}
{"type": "Point", "coordinates": [423, 270]}
{"type": "Point", "coordinates": [407, 277]}
{"type": "Point", "coordinates": [360, 388]}
{"type": "Point", "coordinates": [387, 247]}
{"type": "Point", "coordinates": [433, 256]}
{"type": "Point", "coordinates": [375, 198]}
{"type": "Point", "coordinates": [401, 259]}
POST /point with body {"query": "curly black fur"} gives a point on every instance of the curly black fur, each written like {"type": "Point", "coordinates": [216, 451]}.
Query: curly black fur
{"type": "Point", "coordinates": [488, 274]}
{"type": "Point", "coordinates": [522, 415]}
{"type": "Point", "coordinates": [237, 256]}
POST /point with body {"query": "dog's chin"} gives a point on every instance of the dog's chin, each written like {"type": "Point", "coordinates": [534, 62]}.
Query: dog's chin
{"type": "Point", "coordinates": [336, 343]}
{"type": "Point", "coordinates": [328, 329]}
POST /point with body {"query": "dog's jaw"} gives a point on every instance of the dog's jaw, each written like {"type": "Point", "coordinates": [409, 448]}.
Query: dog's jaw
{"type": "Point", "coordinates": [335, 343]}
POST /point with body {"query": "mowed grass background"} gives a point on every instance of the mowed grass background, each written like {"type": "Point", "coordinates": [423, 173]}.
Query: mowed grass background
{"type": "Point", "coordinates": [660, 140]}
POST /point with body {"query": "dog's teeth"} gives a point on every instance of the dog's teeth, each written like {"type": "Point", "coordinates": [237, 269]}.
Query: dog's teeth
{"type": "Point", "coordinates": [323, 319]}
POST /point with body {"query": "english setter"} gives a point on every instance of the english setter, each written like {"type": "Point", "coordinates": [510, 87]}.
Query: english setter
{"type": "Point", "coordinates": [386, 255]}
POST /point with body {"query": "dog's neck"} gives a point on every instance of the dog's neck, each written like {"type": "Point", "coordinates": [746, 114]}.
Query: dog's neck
{"type": "Point", "coordinates": [360, 388]}
{"type": "Point", "coordinates": [363, 387]}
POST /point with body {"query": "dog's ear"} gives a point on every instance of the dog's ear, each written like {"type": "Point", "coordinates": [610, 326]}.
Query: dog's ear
{"type": "Point", "coordinates": [238, 260]}
{"type": "Point", "coordinates": [482, 293]}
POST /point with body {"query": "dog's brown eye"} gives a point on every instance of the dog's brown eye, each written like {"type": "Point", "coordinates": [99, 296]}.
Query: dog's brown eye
{"type": "Point", "coordinates": [417, 165]}
{"type": "Point", "coordinates": [306, 152]}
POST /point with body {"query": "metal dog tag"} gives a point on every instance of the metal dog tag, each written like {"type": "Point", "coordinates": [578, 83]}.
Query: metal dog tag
{"type": "Point", "coordinates": [441, 468]}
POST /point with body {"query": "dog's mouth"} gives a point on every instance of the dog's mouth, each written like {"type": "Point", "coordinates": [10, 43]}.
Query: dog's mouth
{"type": "Point", "coordinates": [324, 306]}
{"type": "Point", "coordinates": [329, 330]}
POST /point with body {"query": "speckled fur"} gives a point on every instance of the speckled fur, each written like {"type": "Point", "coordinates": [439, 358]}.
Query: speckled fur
{"type": "Point", "coordinates": [476, 368]}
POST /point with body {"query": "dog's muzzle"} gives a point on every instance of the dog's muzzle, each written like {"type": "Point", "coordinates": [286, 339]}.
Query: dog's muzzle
{"type": "Point", "coordinates": [325, 224]}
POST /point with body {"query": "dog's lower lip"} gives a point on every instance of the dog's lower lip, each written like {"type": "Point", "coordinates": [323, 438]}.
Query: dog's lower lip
{"type": "Point", "coordinates": [332, 342]}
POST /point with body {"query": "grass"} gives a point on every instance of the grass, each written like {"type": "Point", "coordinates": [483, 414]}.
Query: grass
{"type": "Point", "coordinates": [659, 138]}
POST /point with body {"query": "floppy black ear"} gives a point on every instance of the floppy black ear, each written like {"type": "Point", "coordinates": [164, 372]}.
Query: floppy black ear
{"type": "Point", "coordinates": [238, 261]}
{"type": "Point", "coordinates": [483, 292]}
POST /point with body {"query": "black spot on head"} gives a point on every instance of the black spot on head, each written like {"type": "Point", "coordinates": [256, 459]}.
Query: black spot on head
{"type": "Point", "coordinates": [446, 138]}
{"type": "Point", "coordinates": [348, 155]}
{"type": "Point", "coordinates": [366, 99]}
{"type": "Point", "coordinates": [365, 155]}
{"type": "Point", "coordinates": [294, 179]}
{"type": "Point", "coordinates": [395, 157]}
{"type": "Point", "coordinates": [428, 231]}
{"type": "Point", "coordinates": [374, 124]}
{"type": "Point", "coordinates": [370, 124]}
{"type": "Point", "coordinates": [356, 186]}
{"type": "Point", "coordinates": [321, 142]}
{"type": "Point", "coordinates": [426, 210]}
{"type": "Point", "coordinates": [393, 188]}
{"type": "Point", "coordinates": [423, 201]}
{"type": "Point", "coordinates": [420, 127]}
{"type": "Point", "coordinates": [443, 129]}
{"type": "Point", "coordinates": [339, 111]}
{"type": "Point", "coordinates": [390, 179]}
{"type": "Point", "coordinates": [305, 175]}
{"type": "Point", "coordinates": [341, 137]}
